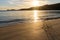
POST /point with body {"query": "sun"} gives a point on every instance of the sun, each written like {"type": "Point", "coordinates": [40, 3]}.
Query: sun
{"type": "Point", "coordinates": [35, 3]}
{"type": "Point", "coordinates": [38, 3]}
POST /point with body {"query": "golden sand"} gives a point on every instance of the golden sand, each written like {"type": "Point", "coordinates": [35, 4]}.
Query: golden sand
{"type": "Point", "coordinates": [29, 31]}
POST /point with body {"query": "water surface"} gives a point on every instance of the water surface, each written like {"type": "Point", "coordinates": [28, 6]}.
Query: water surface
{"type": "Point", "coordinates": [7, 17]}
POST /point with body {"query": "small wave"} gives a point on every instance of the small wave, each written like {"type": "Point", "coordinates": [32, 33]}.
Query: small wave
{"type": "Point", "coordinates": [53, 18]}
{"type": "Point", "coordinates": [22, 20]}
{"type": "Point", "coordinates": [15, 20]}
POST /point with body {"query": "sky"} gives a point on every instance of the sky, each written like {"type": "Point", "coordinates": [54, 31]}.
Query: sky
{"type": "Point", "coordinates": [17, 4]}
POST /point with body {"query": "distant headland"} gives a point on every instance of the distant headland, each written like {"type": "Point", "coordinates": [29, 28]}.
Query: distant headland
{"type": "Point", "coordinates": [44, 7]}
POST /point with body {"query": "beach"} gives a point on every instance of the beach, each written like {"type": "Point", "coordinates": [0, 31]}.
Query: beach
{"type": "Point", "coordinates": [29, 20]}
{"type": "Point", "coordinates": [31, 31]}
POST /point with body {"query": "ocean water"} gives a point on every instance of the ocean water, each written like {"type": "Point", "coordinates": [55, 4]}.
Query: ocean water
{"type": "Point", "coordinates": [8, 17]}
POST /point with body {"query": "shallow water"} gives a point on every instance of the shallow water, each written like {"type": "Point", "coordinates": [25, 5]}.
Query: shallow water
{"type": "Point", "coordinates": [7, 17]}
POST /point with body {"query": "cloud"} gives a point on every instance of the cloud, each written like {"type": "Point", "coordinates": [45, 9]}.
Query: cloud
{"type": "Point", "coordinates": [25, 3]}
{"type": "Point", "coordinates": [21, 1]}
{"type": "Point", "coordinates": [14, 1]}
{"type": "Point", "coordinates": [18, 3]}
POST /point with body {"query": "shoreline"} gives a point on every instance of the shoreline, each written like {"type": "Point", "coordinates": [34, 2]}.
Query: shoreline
{"type": "Point", "coordinates": [17, 21]}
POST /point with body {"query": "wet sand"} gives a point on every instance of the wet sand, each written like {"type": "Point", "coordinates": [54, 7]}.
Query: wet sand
{"type": "Point", "coordinates": [31, 31]}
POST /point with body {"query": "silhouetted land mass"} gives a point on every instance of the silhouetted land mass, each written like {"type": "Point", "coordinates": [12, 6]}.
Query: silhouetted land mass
{"type": "Point", "coordinates": [45, 7]}
{"type": "Point", "coordinates": [11, 10]}
{"type": "Point", "coordinates": [48, 7]}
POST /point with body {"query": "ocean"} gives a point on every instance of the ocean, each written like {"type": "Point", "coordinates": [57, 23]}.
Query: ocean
{"type": "Point", "coordinates": [9, 17]}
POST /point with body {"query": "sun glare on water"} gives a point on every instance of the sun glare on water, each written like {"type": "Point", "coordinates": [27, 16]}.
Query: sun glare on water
{"type": "Point", "coordinates": [35, 15]}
